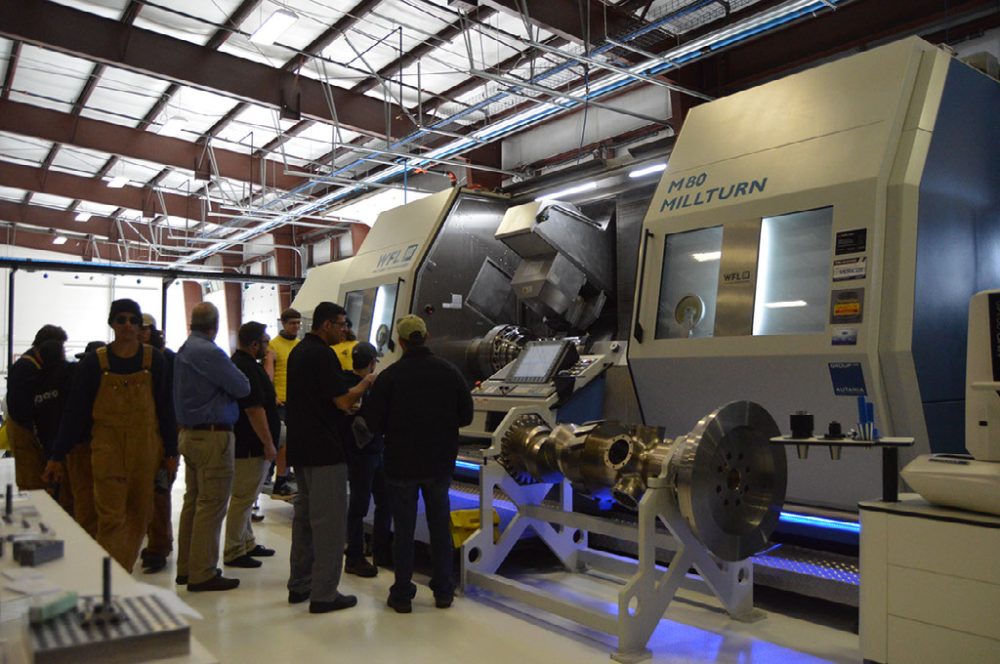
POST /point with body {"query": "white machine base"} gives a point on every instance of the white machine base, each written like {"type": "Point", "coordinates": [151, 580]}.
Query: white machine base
{"type": "Point", "coordinates": [930, 583]}
{"type": "Point", "coordinates": [962, 483]}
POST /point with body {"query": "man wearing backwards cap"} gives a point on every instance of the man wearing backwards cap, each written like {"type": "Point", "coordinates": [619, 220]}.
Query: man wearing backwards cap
{"type": "Point", "coordinates": [419, 403]}
{"type": "Point", "coordinates": [120, 395]}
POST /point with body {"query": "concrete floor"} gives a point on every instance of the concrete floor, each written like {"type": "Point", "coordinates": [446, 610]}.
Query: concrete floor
{"type": "Point", "coordinates": [254, 623]}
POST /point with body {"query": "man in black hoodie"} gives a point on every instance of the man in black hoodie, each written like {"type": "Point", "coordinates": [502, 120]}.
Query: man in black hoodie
{"type": "Point", "coordinates": [419, 403]}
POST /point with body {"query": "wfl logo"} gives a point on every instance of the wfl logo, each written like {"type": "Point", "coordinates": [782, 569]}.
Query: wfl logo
{"type": "Point", "coordinates": [395, 258]}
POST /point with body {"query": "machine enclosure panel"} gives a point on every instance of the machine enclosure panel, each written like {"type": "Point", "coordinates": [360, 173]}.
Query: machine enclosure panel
{"type": "Point", "coordinates": [853, 134]}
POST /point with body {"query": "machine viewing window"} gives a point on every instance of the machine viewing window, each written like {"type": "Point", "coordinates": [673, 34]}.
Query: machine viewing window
{"type": "Point", "coordinates": [385, 307]}
{"type": "Point", "coordinates": [793, 273]}
{"type": "Point", "coordinates": [689, 284]}
{"type": "Point", "coordinates": [371, 310]}
{"type": "Point", "coordinates": [538, 361]}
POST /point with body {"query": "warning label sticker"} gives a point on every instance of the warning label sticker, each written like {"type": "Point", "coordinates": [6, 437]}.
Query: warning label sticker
{"type": "Point", "coordinates": [847, 306]}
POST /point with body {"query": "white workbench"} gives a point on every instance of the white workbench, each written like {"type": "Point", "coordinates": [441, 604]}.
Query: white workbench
{"type": "Point", "coordinates": [80, 569]}
{"type": "Point", "coordinates": [930, 583]}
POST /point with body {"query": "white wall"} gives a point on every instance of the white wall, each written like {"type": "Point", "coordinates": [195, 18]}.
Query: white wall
{"type": "Point", "coordinates": [261, 303]}
{"type": "Point", "coordinates": [569, 132]}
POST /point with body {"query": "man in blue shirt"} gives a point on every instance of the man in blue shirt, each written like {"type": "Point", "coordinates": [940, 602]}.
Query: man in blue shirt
{"type": "Point", "coordinates": [206, 387]}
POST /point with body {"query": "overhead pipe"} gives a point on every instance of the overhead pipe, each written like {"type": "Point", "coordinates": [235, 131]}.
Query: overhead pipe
{"type": "Point", "coordinates": [751, 27]}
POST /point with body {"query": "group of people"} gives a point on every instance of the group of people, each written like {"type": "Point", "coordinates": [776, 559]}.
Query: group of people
{"type": "Point", "coordinates": [105, 436]}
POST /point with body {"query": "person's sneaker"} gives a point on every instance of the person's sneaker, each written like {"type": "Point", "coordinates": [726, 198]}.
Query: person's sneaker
{"type": "Point", "coordinates": [181, 580]}
{"type": "Point", "coordinates": [290, 476]}
{"type": "Point", "coordinates": [400, 605]}
{"type": "Point", "coordinates": [361, 568]}
{"type": "Point", "coordinates": [444, 601]}
{"type": "Point", "coordinates": [260, 551]}
{"type": "Point", "coordinates": [283, 490]}
{"type": "Point", "coordinates": [256, 518]}
{"type": "Point", "coordinates": [246, 560]}
{"type": "Point", "coordinates": [297, 598]}
{"type": "Point", "coordinates": [216, 583]}
{"type": "Point", "coordinates": [342, 602]}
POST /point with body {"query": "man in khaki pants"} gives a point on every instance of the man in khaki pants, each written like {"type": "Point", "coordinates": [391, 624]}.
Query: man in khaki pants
{"type": "Point", "coordinates": [256, 431]}
{"type": "Point", "coordinates": [206, 386]}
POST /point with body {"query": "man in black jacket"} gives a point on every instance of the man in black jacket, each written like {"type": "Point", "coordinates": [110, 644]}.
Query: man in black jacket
{"type": "Point", "coordinates": [419, 403]}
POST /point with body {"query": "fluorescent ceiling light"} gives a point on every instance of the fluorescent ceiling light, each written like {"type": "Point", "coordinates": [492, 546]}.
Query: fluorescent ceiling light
{"type": "Point", "coordinates": [59, 239]}
{"type": "Point", "coordinates": [562, 193]}
{"type": "Point", "coordinates": [647, 170]}
{"type": "Point", "coordinates": [786, 305]}
{"type": "Point", "coordinates": [83, 216]}
{"type": "Point", "coordinates": [273, 26]}
{"type": "Point", "coordinates": [173, 126]}
{"type": "Point", "coordinates": [117, 182]}
{"type": "Point", "coordinates": [707, 256]}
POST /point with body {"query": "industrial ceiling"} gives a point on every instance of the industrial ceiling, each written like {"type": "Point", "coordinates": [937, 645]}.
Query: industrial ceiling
{"type": "Point", "coordinates": [165, 132]}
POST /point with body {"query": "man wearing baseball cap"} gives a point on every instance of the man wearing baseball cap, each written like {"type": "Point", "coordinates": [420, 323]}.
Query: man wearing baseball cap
{"type": "Point", "coordinates": [419, 403]}
{"type": "Point", "coordinates": [366, 477]}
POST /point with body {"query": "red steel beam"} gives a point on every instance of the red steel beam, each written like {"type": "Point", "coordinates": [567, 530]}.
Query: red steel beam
{"type": "Point", "coordinates": [89, 36]}
{"type": "Point", "coordinates": [96, 190]}
{"type": "Point", "coordinates": [49, 125]}
{"type": "Point", "coordinates": [61, 220]}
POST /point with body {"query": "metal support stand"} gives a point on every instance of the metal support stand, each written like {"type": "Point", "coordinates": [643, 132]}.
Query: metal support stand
{"type": "Point", "coordinates": [646, 594]}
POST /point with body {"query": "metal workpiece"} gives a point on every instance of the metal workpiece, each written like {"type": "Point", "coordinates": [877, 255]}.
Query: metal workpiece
{"type": "Point", "coordinates": [496, 349]}
{"type": "Point", "coordinates": [730, 481]}
{"type": "Point", "coordinates": [725, 478]}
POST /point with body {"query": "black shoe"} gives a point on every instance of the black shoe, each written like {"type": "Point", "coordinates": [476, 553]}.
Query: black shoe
{"type": "Point", "coordinates": [244, 561]}
{"type": "Point", "coordinates": [256, 518]}
{"type": "Point", "coordinates": [297, 598]}
{"type": "Point", "coordinates": [283, 491]}
{"type": "Point", "coordinates": [383, 561]}
{"type": "Point", "coordinates": [400, 605]}
{"type": "Point", "coordinates": [216, 583]}
{"type": "Point", "coordinates": [342, 602]}
{"type": "Point", "coordinates": [444, 601]}
{"type": "Point", "coordinates": [153, 563]}
{"type": "Point", "coordinates": [182, 580]}
{"type": "Point", "coordinates": [361, 568]}
{"type": "Point", "coordinates": [260, 551]}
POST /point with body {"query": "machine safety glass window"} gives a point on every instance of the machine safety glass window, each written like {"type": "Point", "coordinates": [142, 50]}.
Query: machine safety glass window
{"type": "Point", "coordinates": [382, 314]}
{"type": "Point", "coordinates": [689, 284]}
{"type": "Point", "coordinates": [793, 268]}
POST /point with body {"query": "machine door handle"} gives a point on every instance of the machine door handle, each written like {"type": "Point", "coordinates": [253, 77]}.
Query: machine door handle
{"type": "Point", "coordinates": [637, 328]}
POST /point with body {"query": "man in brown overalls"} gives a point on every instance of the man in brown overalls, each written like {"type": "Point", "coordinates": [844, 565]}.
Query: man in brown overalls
{"type": "Point", "coordinates": [120, 393]}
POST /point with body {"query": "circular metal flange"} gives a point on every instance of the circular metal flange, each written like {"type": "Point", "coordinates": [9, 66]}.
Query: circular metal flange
{"type": "Point", "coordinates": [730, 480]}
{"type": "Point", "coordinates": [519, 449]}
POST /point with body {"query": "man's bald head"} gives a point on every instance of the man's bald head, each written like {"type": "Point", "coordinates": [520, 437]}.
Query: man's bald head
{"type": "Point", "coordinates": [205, 318]}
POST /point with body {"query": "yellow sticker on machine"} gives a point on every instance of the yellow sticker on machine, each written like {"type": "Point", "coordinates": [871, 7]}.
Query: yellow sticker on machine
{"type": "Point", "coordinates": [841, 309]}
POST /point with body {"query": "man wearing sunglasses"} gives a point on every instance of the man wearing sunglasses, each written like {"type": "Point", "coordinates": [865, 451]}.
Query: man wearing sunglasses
{"type": "Point", "coordinates": [120, 395]}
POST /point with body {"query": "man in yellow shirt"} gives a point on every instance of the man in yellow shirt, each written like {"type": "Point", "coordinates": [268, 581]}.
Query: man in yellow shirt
{"type": "Point", "coordinates": [282, 345]}
{"type": "Point", "coordinates": [346, 347]}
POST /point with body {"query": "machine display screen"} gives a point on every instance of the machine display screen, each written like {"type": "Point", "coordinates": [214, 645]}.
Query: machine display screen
{"type": "Point", "coordinates": [538, 361]}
